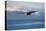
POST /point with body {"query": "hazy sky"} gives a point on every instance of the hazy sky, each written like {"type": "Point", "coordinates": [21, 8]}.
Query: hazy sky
{"type": "Point", "coordinates": [14, 5]}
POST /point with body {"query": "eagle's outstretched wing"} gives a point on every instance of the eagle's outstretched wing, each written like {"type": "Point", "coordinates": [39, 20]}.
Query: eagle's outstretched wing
{"type": "Point", "coordinates": [31, 12]}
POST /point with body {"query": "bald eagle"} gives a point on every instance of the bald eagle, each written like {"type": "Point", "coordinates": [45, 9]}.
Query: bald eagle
{"type": "Point", "coordinates": [27, 13]}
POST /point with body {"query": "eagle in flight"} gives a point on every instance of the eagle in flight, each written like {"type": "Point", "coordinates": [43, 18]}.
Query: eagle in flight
{"type": "Point", "coordinates": [27, 13]}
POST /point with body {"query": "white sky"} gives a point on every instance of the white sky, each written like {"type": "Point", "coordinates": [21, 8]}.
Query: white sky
{"type": "Point", "coordinates": [14, 5]}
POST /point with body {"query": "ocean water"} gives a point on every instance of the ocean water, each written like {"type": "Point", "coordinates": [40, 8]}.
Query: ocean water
{"type": "Point", "coordinates": [25, 24]}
